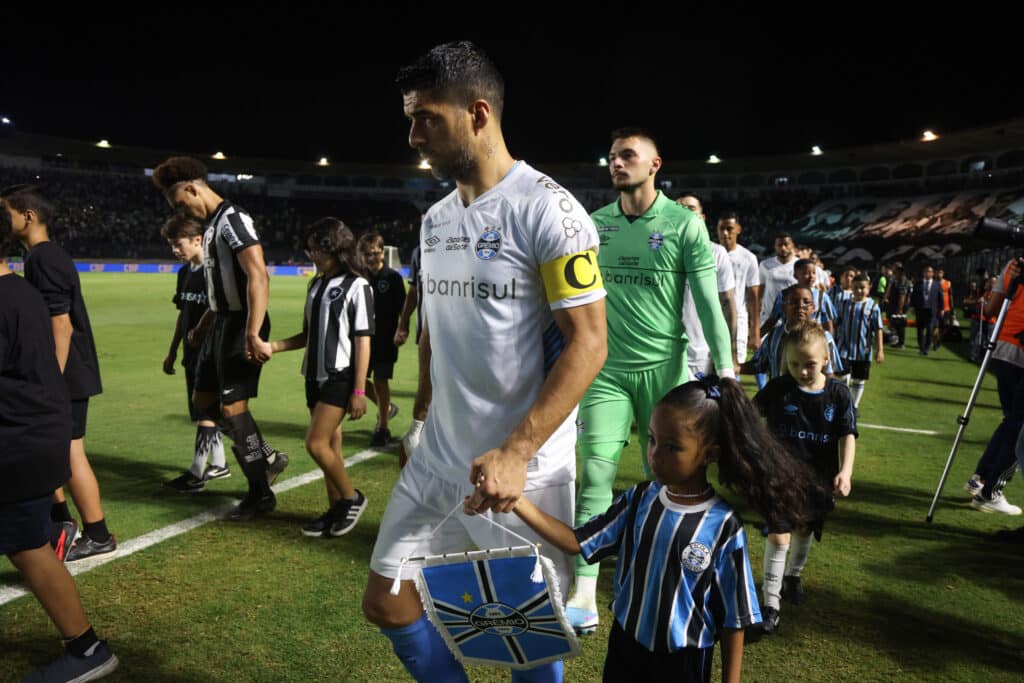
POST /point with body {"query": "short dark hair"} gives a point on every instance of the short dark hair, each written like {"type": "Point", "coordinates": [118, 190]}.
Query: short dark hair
{"type": "Point", "coordinates": [181, 224]}
{"type": "Point", "coordinates": [861, 277]}
{"type": "Point", "coordinates": [458, 72]}
{"type": "Point", "coordinates": [726, 216]}
{"type": "Point", "coordinates": [700, 200]}
{"type": "Point", "coordinates": [24, 197]}
{"type": "Point", "coordinates": [804, 262]}
{"type": "Point", "coordinates": [368, 238]}
{"type": "Point", "coordinates": [176, 170]}
{"type": "Point", "coordinates": [6, 232]}
{"type": "Point", "coordinates": [789, 291]}
{"type": "Point", "coordinates": [638, 132]}
{"type": "Point", "coordinates": [783, 236]}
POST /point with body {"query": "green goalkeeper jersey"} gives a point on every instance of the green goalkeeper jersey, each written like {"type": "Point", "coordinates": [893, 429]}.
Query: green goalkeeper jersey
{"type": "Point", "coordinates": [645, 265]}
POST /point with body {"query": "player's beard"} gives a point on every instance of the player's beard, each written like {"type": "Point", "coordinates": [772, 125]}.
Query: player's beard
{"type": "Point", "coordinates": [458, 162]}
{"type": "Point", "coordinates": [626, 185]}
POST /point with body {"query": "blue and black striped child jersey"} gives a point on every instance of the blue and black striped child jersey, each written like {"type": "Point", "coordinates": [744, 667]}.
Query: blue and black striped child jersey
{"type": "Point", "coordinates": [683, 572]}
{"type": "Point", "coordinates": [857, 328]}
{"type": "Point", "coordinates": [769, 356]}
{"type": "Point", "coordinates": [824, 309]}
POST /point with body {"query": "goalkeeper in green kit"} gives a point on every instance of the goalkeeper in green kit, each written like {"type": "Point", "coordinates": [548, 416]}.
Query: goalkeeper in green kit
{"type": "Point", "coordinates": [650, 248]}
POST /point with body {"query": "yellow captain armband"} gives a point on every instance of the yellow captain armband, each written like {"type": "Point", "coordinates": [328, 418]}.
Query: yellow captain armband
{"type": "Point", "coordinates": [571, 275]}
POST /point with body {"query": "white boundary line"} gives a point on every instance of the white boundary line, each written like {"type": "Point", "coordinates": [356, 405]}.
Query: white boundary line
{"type": "Point", "coordinates": [899, 429]}
{"type": "Point", "coordinates": [134, 545]}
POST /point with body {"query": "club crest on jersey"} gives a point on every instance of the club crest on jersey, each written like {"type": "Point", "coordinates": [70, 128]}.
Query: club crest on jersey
{"type": "Point", "coordinates": [696, 557]}
{"type": "Point", "coordinates": [383, 286]}
{"type": "Point", "coordinates": [656, 241]}
{"type": "Point", "coordinates": [333, 293]}
{"type": "Point", "coordinates": [488, 245]}
{"type": "Point", "coordinates": [830, 412]}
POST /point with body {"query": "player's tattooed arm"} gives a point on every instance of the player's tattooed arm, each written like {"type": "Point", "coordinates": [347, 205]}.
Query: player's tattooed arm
{"type": "Point", "coordinates": [195, 336]}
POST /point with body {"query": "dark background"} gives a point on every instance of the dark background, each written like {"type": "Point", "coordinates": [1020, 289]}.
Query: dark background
{"type": "Point", "coordinates": [311, 86]}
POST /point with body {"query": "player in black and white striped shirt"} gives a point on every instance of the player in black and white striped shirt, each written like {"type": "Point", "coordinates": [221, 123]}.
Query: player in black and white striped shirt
{"type": "Point", "coordinates": [336, 333]}
{"type": "Point", "coordinates": [859, 328]}
{"type": "Point", "coordinates": [238, 288]}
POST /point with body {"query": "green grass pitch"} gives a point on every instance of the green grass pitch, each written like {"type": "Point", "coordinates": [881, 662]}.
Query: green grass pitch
{"type": "Point", "coordinates": [889, 597]}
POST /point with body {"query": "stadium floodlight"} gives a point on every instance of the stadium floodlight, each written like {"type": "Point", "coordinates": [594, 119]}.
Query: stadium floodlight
{"type": "Point", "coordinates": [713, 159]}
{"type": "Point", "coordinates": [816, 151]}
{"type": "Point", "coordinates": [219, 156]}
{"type": "Point", "coordinates": [103, 144]}
{"type": "Point", "coordinates": [929, 136]}
{"type": "Point", "coordinates": [6, 121]}
{"type": "Point", "coordinates": [602, 162]}
{"type": "Point", "coordinates": [424, 165]}
{"type": "Point", "coordinates": [323, 162]}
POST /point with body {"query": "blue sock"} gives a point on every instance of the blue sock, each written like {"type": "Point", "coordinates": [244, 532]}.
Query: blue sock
{"type": "Point", "coordinates": [548, 673]}
{"type": "Point", "coordinates": [424, 653]}
{"type": "Point", "coordinates": [762, 379]}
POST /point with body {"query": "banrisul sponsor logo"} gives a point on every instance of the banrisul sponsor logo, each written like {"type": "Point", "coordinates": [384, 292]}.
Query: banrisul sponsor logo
{"type": "Point", "coordinates": [470, 289]}
{"type": "Point", "coordinates": [489, 244]}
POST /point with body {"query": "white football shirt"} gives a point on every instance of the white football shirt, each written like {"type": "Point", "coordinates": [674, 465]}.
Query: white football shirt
{"type": "Point", "coordinates": [697, 350]}
{"type": "Point", "coordinates": [491, 274]}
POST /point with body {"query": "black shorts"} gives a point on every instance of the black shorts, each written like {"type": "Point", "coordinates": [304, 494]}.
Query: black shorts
{"type": "Point", "coordinates": [79, 416]}
{"type": "Point", "coordinates": [222, 367]}
{"type": "Point", "coordinates": [25, 524]}
{"type": "Point", "coordinates": [858, 369]}
{"type": "Point", "coordinates": [382, 348]}
{"type": "Point", "coordinates": [335, 391]}
{"type": "Point", "coordinates": [626, 658]}
{"type": "Point", "coordinates": [381, 370]}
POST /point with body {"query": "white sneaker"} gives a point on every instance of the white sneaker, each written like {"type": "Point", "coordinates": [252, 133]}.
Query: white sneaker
{"type": "Point", "coordinates": [997, 503]}
{"type": "Point", "coordinates": [974, 485]}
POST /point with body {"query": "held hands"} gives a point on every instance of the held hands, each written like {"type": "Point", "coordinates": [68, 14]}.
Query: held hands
{"type": "Point", "coordinates": [401, 335]}
{"type": "Point", "coordinates": [169, 364]}
{"type": "Point", "coordinates": [356, 406]}
{"type": "Point", "coordinates": [256, 350]}
{"type": "Point", "coordinates": [842, 484]}
{"type": "Point", "coordinates": [499, 476]}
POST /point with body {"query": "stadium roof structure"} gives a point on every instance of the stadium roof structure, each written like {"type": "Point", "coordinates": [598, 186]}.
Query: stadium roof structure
{"type": "Point", "coordinates": [995, 147]}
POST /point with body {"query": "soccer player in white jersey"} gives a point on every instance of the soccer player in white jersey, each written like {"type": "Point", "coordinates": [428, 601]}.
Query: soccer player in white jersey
{"type": "Point", "coordinates": [514, 318]}
{"type": "Point", "coordinates": [698, 354]}
{"type": "Point", "coordinates": [747, 291]}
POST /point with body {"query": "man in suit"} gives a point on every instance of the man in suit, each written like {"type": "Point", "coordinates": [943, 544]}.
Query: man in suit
{"type": "Point", "coordinates": [927, 306]}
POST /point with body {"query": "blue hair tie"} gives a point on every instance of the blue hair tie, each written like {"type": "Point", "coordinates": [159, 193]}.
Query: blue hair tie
{"type": "Point", "coordinates": [710, 384]}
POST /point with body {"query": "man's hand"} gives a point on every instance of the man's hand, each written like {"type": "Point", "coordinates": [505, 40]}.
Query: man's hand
{"type": "Point", "coordinates": [256, 350]}
{"type": "Point", "coordinates": [194, 337]}
{"type": "Point", "coordinates": [169, 364]}
{"type": "Point", "coordinates": [880, 356]}
{"type": "Point", "coordinates": [401, 335]}
{"type": "Point", "coordinates": [499, 476]}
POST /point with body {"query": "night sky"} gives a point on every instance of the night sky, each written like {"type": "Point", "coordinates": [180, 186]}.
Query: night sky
{"type": "Point", "coordinates": [276, 93]}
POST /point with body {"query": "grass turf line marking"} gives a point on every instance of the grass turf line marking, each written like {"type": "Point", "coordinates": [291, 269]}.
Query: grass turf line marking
{"type": "Point", "coordinates": [899, 429]}
{"type": "Point", "coordinates": [134, 545]}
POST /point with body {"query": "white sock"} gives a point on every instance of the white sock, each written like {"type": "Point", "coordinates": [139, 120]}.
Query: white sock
{"type": "Point", "coordinates": [801, 546]}
{"type": "Point", "coordinates": [857, 388]}
{"type": "Point", "coordinates": [774, 566]}
{"type": "Point", "coordinates": [208, 444]}
{"type": "Point", "coordinates": [217, 452]}
{"type": "Point", "coordinates": [584, 594]}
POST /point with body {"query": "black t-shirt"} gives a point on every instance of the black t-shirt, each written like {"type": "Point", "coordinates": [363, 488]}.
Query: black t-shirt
{"type": "Point", "coordinates": [388, 299]}
{"type": "Point", "coordinates": [191, 299]}
{"type": "Point", "coordinates": [51, 271]}
{"type": "Point", "coordinates": [35, 414]}
{"type": "Point", "coordinates": [811, 424]}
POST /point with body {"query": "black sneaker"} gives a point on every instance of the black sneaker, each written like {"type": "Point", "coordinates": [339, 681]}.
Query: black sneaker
{"type": "Point", "coordinates": [62, 537]}
{"type": "Point", "coordinates": [86, 547]}
{"type": "Point", "coordinates": [97, 663]}
{"type": "Point", "coordinates": [216, 472]}
{"type": "Point", "coordinates": [277, 467]}
{"type": "Point", "coordinates": [347, 513]}
{"type": "Point", "coordinates": [793, 590]}
{"type": "Point", "coordinates": [186, 483]}
{"type": "Point", "coordinates": [770, 621]}
{"type": "Point", "coordinates": [392, 411]}
{"type": "Point", "coordinates": [321, 526]}
{"type": "Point", "coordinates": [380, 437]}
{"type": "Point", "coordinates": [251, 506]}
